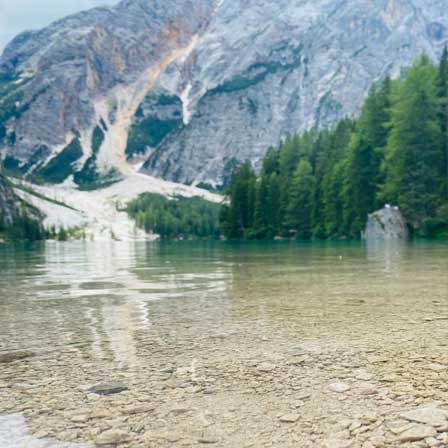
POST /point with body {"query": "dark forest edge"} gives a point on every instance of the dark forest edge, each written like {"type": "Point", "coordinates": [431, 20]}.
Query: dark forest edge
{"type": "Point", "coordinates": [176, 218]}
{"type": "Point", "coordinates": [323, 184]}
{"type": "Point", "coordinates": [19, 221]}
{"type": "Point", "coordinates": [26, 225]}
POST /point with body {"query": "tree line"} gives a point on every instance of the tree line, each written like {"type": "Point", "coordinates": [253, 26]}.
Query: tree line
{"type": "Point", "coordinates": [175, 218]}
{"type": "Point", "coordinates": [324, 183]}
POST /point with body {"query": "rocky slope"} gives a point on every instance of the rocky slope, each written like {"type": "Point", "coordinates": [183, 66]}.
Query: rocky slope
{"type": "Point", "coordinates": [187, 88]}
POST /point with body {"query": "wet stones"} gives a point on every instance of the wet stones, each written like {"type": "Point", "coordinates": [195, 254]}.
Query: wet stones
{"type": "Point", "coordinates": [266, 368]}
{"type": "Point", "coordinates": [290, 418]}
{"type": "Point", "coordinates": [427, 415]}
{"type": "Point", "coordinates": [207, 440]}
{"type": "Point", "coordinates": [137, 409]}
{"type": "Point", "coordinates": [339, 387]}
{"type": "Point", "coordinates": [6, 358]}
{"type": "Point", "coordinates": [417, 432]}
{"type": "Point", "coordinates": [108, 389]}
{"type": "Point", "coordinates": [339, 444]}
{"type": "Point", "coordinates": [112, 437]}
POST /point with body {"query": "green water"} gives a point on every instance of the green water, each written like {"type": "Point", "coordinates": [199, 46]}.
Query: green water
{"type": "Point", "coordinates": [188, 325]}
{"type": "Point", "coordinates": [58, 293]}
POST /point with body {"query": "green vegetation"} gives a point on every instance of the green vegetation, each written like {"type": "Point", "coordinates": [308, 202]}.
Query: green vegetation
{"type": "Point", "coordinates": [61, 166]}
{"type": "Point", "coordinates": [257, 73]}
{"type": "Point", "coordinates": [209, 187]}
{"type": "Point", "coordinates": [150, 131]}
{"type": "Point", "coordinates": [168, 100]}
{"type": "Point", "coordinates": [89, 178]}
{"type": "Point", "coordinates": [24, 227]}
{"type": "Point", "coordinates": [12, 167]}
{"type": "Point", "coordinates": [22, 222]}
{"type": "Point", "coordinates": [97, 140]}
{"type": "Point", "coordinates": [187, 218]}
{"type": "Point", "coordinates": [323, 184]}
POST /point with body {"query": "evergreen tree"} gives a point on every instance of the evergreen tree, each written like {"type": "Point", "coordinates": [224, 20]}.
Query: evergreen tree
{"type": "Point", "coordinates": [415, 158]}
{"type": "Point", "coordinates": [300, 205]}
{"type": "Point", "coordinates": [324, 184]}
{"type": "Point", "coordinates": [270, 162]}
{"type": "Point", "coordinates": [330, 205]}
{"type": "Point", "coordinates": [443, 93]}
{"type": "Point", "coordinates": [273, 205]}
{"type": "Point", "coordinates": [333, 202]}
{"type": "Point", "coordinates": [241, 212]}
{"type": "Point", "coordinates": [289, 156]}
{"type": "Point", "coordinates": [261, 217]}
{"type": "Point", "coordinates": [364, 158]}
{"type": "Point", "coordinates": [322, 164]}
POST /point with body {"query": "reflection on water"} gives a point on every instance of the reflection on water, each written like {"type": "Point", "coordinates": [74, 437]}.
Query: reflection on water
{"type": "Point", "coordinates": [122, 308]}
{"type": "Point", "coordinates": [101, 296]}
{"type": "Point", "coordinates": [390, 252]}
{"type": "Point", "coordinates": [95, 292]}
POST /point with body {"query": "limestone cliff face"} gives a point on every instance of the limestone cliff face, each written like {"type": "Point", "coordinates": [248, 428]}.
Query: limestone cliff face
{"type": "Point", "coordinates": [200, 84]}
{"type": "Point", "coordinates": [87, 70]}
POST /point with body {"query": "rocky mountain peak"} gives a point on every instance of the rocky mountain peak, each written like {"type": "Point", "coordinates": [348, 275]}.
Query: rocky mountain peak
{"type": "Point", "coordinates": [185, 89]}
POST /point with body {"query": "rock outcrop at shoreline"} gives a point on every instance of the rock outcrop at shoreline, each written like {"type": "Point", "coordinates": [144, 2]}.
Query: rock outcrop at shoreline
{"type": "Point", "coordinates": [386, 224]}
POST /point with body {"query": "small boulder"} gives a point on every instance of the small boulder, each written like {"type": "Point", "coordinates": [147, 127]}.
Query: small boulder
{"type": "Point", "coordinates": [112, 437]}
{"type": "Point", "coordinates": [339, 387]}
{"type": "Point", "coordinates": [108, 389]}
{"type": "Point", "coordinates": [427, 415]}
{"type": "Point", "coordinates": [416, 433]}
{"type": "Point", "coordinates": [6, 358]}
{"type": "Point", "coordinates": [266, 367]}
{"type": "Point", "coordinates": [386, 224]}
{"type": "Point", "coordinates": [290, 418]}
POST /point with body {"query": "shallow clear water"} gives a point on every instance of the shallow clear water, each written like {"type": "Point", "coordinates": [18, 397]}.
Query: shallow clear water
{"type": "Point", "coordinates": [92, 312]}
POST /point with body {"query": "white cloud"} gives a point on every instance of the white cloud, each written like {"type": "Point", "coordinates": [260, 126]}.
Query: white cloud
{"type": "Point", "coordinates": [20, 15]}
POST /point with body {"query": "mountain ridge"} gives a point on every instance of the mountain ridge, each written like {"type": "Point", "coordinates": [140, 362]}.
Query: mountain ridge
{"type": "Point", "coordinates": [185, 90]}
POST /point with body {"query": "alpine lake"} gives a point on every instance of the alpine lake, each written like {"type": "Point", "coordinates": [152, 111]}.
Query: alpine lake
{"type": "Point", "coordinates": [232, 345]}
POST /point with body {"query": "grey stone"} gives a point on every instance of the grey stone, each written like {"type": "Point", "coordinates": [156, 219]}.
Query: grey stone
{"type": "Point", "coordinates": [416, 433]}
{"type": "Point", "coordinates": [339, 387]}
{"type": "Point", "coordinates": [108, 389]}
{"type": "Point", "coordinates": [427, 415]}
{"type": "Point", "coordinates": [386, 224]}
{"type": "Point", "coordinates": [290, 418]}
{"type": "Point", "coordinates": [266, 367]}
{"type": "Point", "coordinates": [112, 437]}
{"type": "Point", "coordinates": [339, 444]}
{"type": "Point", "coordinates": [9, 357]}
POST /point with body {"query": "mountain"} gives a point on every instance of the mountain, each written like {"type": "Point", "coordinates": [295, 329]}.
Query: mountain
{"type": "Point", "coordinates": [184, 89]}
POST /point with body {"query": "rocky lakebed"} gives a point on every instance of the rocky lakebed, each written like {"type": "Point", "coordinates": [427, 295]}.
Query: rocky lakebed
{"type": "Point", "coordinates": [359, 361]}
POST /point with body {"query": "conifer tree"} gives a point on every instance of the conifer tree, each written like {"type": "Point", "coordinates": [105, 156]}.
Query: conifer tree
{"type": "Point", "coordinates": [415, 156]}
{"type": "Point", "coordinates": [300, 205]}
{"type": "Point", "coordinates": [443, 93]}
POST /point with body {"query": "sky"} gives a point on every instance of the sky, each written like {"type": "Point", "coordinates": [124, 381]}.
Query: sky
{"type": "Point", "coordinates": [20, 15]}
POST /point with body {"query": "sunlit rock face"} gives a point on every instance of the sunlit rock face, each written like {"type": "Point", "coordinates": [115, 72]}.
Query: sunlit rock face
{"type": "Point", "coordinates": [202, 84]}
